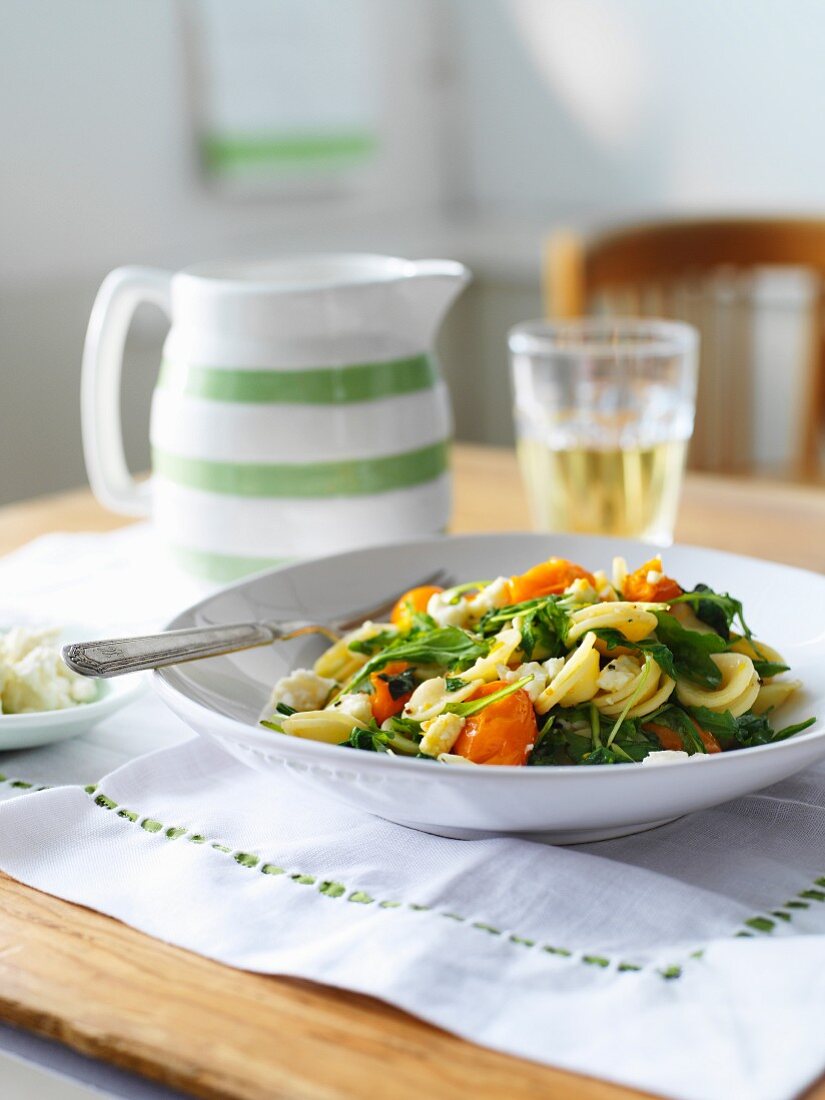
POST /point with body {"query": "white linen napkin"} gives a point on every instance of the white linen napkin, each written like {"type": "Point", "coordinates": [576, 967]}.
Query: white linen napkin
{"type": "Point", "coordinates": [684, 961]}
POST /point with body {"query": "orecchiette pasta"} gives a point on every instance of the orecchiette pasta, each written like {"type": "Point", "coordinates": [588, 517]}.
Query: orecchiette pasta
{"type": "Point", "coordinates": [431, 697]}
{"type": "Point", "coordinates": [506, 643]}
{"type": "Point", "coordinates": [576, 682]}
{"type": "Point", "coordinates": [773, 694]}
{"type": "Point", "coordinates": [332, 726]}
{"type": "Point", "coordinates": [642, 683]}
{"type": "Point", "coordinates": [757, 651]}
{"type": "Point", "coordinates": [339, 662]}
{"type": "Point", "coordinates": [634, 620]}
{"type": "Point", "coordinates": [738, 692]}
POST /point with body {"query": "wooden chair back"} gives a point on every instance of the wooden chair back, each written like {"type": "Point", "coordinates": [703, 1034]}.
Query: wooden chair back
{"type": "Point", "coordinates": [705, 272]}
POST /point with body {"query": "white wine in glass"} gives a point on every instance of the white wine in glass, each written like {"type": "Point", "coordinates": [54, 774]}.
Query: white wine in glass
{"type": "Point", "coordinates": [604, 413]}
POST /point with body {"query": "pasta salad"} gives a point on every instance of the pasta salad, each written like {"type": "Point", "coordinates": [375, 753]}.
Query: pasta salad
{"type": "Point", "coordinates": [554, 666]}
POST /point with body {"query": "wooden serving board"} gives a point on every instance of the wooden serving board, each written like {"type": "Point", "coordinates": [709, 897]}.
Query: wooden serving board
{"type": "Point", "coordinates": [206, 1029]}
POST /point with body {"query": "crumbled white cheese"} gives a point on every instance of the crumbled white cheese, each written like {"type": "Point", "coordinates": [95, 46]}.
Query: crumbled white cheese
{"type": "Point", "coordinates": [356, 705]}
{"type": "Point", "coordinates": [452, 758]}
{"type": "Point", "coordinates": [582, 591]}
{"type": "Point", "coordinates": [440, 734]}
{"type": "Point", "coordinates": [654, 576]}
{"type": "Point", "coordinates": [494, 595]}
{"type": "Point", "coordinates": [619, 574]}
{"type": "Point", "coordinates": [618, 673]}
{"type": "Point", "coordinates": [530, 668]}
{"type": "Point", "coordinates": [604, 589]}
{"type": "Point", "coordinates": [553, 667]}
{"type": "Point", "coordinates": [33, 676]}
{"type": "Point", "coordinates": [448, 614]}
{"type": "Point", "coordinates": [672, 756]}
{"type": "Point", "coordinates": [301, 690]}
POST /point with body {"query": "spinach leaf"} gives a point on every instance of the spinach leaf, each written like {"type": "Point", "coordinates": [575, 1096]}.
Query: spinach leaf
{"type": "Point", "coordinates": [691, 650]}
{"type": "Point", "coordinates": [455, 683]}
{"type": "Point", "coordinates": [284, 708]}
{"type": "Point", "coordinates": [657, 650]}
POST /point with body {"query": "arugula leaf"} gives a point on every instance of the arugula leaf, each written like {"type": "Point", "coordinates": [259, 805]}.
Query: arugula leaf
{"type": "Point", "coordinates": [764, 669]}
{"type": "Point", "coordinates": [789, 731]}
{"type": "Point", "coordinates": [373, 739]}
{"type": "Point", "coordinates": [657, 650]}
{"type": "Point", "coordinates": [422, 621]}
{"type": "Point", "coordinates": [577, 735]}
{"type": "Point", "coordinates": [745, 731]}
{"type": "Point", "coordinates": [399, 684]}
{"type": "Point", "coordinates": [544, 624]}
{"type": "Point", "coordinates": [444, 647]}
{"type": "Point", "coordinates": [372, 645]}
{"type": "Point", "coordinates": [407, 726]}
{"type": "Point", "coordinates": [473, 706]}
{"type": "Point", "coordinates": [676, 719]}
{"type": "Point", "coordinates": [369, 740]}
{"type": "Point", "coordinates": [691, 650]}
{"type": "Point", "coordinates": [718, 609]}
{"type": "Point", "coordinates": [601, 755]}
{"type": "Point", "coordinates": [454, 683]}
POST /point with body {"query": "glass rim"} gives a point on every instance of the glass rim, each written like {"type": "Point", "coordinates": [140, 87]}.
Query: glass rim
{"type": "Point", "coordinates": [653, 336]}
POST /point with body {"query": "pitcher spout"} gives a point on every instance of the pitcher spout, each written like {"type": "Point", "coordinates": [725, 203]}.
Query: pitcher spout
{"type": "Point", "coordinates": [434, 286]}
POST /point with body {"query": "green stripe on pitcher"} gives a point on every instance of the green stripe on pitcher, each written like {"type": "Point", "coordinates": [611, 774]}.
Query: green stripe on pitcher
{"type": "Point", "coordinates": [237, 151]}
{"type": "Point", "coordinates": [220, 567]}
{"type": "Point", "coordinates": [309, 386]}
{"type": "Point", "coordinates": [352, 477]}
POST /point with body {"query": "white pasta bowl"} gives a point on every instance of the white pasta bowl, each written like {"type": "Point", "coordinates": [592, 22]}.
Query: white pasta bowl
{"type": "Point", "coordinates": [222, 698]}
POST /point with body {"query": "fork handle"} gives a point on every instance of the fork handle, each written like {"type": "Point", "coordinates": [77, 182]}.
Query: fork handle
{"type": "Point", "coordinates": [118, 656]}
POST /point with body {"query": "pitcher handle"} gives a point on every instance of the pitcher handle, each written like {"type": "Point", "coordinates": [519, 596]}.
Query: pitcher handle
{"type": "Point", "coordinates": [121, 292]}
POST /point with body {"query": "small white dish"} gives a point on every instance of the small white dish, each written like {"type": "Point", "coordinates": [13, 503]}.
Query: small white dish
{"type": "Point", "coordinates": [43, 727]}
{"type": "Point", "coordinates": [222, 698]}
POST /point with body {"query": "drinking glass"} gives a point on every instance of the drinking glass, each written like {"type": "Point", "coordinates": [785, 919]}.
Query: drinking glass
{"type": "Point", "coordinates": [604, 410]}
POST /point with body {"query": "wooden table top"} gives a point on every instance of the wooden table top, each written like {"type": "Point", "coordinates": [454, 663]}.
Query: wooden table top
{"type": "Point", "coordinates": [192, 1024]}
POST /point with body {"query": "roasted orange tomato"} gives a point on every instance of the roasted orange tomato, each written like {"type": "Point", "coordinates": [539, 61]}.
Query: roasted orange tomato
{"type": "Point", "coordinates": [502, 733]}
{"type": "Point", "coordinates": [550, 578]}
{"type": "Point", "coordinates": [384, 703]}
{"type": "Point", "coordinates": [414, 600]}
{"type": "Point", "coordinates": [638, 588]}
{"type": "Point", "coordinates": [670, 739]}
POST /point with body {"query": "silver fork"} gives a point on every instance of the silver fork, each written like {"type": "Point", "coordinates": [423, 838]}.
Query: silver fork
{"type": "Point", "coordinates": [118, 656]}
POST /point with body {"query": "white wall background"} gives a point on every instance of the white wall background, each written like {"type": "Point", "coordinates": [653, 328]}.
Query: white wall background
{"type": "Point", "coordinates": [500, 118]}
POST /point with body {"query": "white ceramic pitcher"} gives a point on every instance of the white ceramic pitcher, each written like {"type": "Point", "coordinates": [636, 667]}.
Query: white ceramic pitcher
{"type": "Point", "coordinates": [299, 408]}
